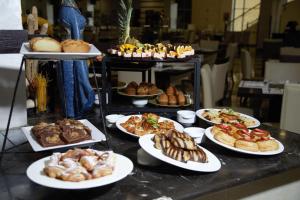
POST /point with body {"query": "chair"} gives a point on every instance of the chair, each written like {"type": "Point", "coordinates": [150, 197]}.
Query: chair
{"type": "Point", "coordinates": [279, 71]}
{"type": "Point", "coordinates": [210, 45]}
{"type": "Point", "coordinates": [219, 79]}
{"type": "Point", "coordinates": [231, 52]}
{"type": "Point", "coordinates": [289, 119]}
{"type": "Point", "coordinates": [246, 64]}
{"type": "Point", "coordinates": [211, 86]}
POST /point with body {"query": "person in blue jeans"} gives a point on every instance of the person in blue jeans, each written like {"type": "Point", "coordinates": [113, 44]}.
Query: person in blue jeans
{"type": "Point", "coordinates": [73, 75]}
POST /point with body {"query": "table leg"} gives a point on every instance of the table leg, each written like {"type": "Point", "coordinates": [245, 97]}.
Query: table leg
{"type": "Point", "coordinates": [143, 76]}
{"type": "Point", "coordinates": [149, 75]}
{"type": "Point", "coordinates": [197, 78]}
{"type": "Point", "coordinates": [12, 107]}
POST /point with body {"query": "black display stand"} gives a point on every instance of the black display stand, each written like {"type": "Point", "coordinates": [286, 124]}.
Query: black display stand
{"type": "Point", "coordinates": [52, 57]}
{"type": "Point", "coordinates": [111, 60]}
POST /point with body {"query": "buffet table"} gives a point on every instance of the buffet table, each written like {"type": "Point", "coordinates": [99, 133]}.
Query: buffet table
{"type": "Point", "coordinates": [149, 182]}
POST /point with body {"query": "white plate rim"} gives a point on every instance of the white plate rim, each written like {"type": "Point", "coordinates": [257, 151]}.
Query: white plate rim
{"type": "Point", "coordinates": [200, 111]}
{"type": "Point", "coordinates": [25, 50]}
{"type": "Point", "coordinates": [210, 136]}
{"type": "Point", "coordinates": [123, 167]}
{"type": "Point", "coordinates": [120, 92]}
{"type": "Point", "coordinates": [178, 126]}
{"type": "Point", "coordinates": [213, 164]}
{"type": "Point", "coordinates": [37, 147]}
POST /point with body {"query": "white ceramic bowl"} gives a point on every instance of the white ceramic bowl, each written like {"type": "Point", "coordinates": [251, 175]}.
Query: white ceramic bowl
{"type": "Point", "coordinates": [186, 117]}
{"type": "Point", "coordinates": [112, 119]}
{"type": "Point", "coordinates": [196, 133]}
{"type": "Point", "coordinates": [139, 102]}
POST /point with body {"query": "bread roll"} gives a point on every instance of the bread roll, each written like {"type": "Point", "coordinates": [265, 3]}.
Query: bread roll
{"type": "Point", "coordinates": [163, 99]}
{"type": "Point", "coordinates": [45, 44]}
{"type": "Point", "coordinates": [75, 46]}
{"type": "Point", "coordinates": [172, 99]}
{"type": "Point", "coordinates": [246, 145]}
{"type": "Point", "coordinates": [267, 145]}
{"type": "Point", "coordinates": [225, 138]}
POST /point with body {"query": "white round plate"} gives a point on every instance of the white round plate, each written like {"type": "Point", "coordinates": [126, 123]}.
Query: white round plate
{"type": "Point", "coordinates": [178, 126]}
{"type": "Point", "coordinates": [212, 165]}
{"type": "Point", "coordinates": [210, 136]}
{"type": "Point", "coordinates": [199, 114]}
{"type": "Point", "coordinates": [35, 173]}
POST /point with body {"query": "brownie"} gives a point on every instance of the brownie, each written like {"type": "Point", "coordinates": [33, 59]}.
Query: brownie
{"type": "Point", "coordinates": [75, 134]}
{"type": "Point", "coordinates": [50, 139]}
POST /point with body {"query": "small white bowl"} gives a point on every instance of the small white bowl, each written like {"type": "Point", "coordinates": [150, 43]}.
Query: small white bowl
{"type": "Point", "coordinates": [139, 102]}
{"type": "Point", "coordinates": [186, 117]}
{"type": "Point", "coordinates": [196, 133]}
{"type": "Point", "coordinates": [112, 119]}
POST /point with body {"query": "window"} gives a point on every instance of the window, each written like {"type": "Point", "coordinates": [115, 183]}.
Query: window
{"type": "Point", "coordinates": [244, 14]}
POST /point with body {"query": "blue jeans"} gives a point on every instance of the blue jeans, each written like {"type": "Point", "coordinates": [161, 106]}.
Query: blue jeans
{"type": "Point", "coordinates": [73, 75]}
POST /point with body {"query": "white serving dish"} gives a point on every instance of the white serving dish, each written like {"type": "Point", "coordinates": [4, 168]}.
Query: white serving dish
{"type": "Point", "coordinates": [26, 51]}
{"type": "Point", "coordinates": [186, 117]}
{"type": "Point", "coordinates": [35, 173]}
{"type": "Point", "coordinates": [200, 112]}
{"type": "Point", "coordinates": [210, 136]}
{"type": "Point", "coordinates": [139, 102]}
{"type": "Point", "coordinates": [96, 134]}
{"type": "Point", "coordinates": [196, 133]}
{"type": "Point", "coordinates": [212, 165]}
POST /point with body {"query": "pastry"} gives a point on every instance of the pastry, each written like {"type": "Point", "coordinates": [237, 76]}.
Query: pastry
{"type": "Point", "coordinates": [181, 99]}
{"type": "Point", "coordinates": [169, 146]}
{"type": "Point", "coordinates": [130, 90]}
{"type": "Point", "coordinates": [267, 145]}
{"type": "Point", "coordinates": [133, 84]}
{"type": "Point", "coordinates": [247, 145]}
{"type": "Point", "coordinates": [171, 90]}
{"type": "Point", "coordinates": [172, 99]}
{"type": "Point", "coordinates": [75, 46]}
{"type": "Point", "coordinates": [225, 138]}
{"type": "Point", "coordinates": [45, 44]}
{"type": "Point", "coordinates": [142, 90]}
{"type": "Point", "coordinates": [152, 89]}
{"type": "Point", "coordinates": [239, 136]}
{"type": "Point", "coordinates": [80, 165]}
{"type": "Point", "coordinates": [163, 99]}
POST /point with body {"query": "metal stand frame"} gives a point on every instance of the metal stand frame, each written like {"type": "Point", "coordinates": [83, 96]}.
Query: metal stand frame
{"type": "Point", "coordinates": [14, 97]}
{"type": "Point", "coordinates": [106, 90]}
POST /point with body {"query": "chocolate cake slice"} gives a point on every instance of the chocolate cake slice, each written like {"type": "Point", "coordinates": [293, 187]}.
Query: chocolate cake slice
{"type": "Point", "coordinates": [75, 134]}
{"type": "Point", "coordinates": [49, 139]}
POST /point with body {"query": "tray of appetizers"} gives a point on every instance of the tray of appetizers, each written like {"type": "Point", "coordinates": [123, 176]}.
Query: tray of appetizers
{"type": "Point", "coordinates": [148, 123]}
{"type": "Point", "coordinates": [63, 133]}
{"type": "Point", "coordinates": [226, 115]}
{"type": "Point", "coordinates": [79, 169]}
{"type": "Point", "coordinates": [157, 51]}
{"type": "Point", "coordinates": [179, 149]}
{"type": "Point", "coordinates": [49, 48]}
{"type": "Point", "coordinates": [238, 138]}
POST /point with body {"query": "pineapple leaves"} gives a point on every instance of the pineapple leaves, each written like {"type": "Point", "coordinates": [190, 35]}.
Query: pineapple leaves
{"type": "Point", "coordinates": [124, 18]}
